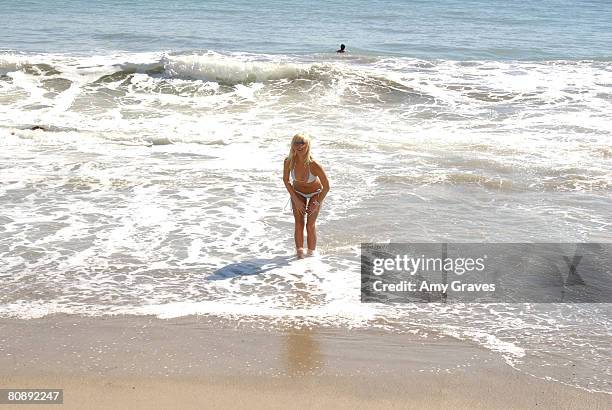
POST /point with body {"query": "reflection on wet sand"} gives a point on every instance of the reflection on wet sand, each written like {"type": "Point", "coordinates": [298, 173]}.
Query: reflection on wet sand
{"type": "Point", "coordinates": [303, 355]}
{"type": "Point", "coordinates": [303, 351]}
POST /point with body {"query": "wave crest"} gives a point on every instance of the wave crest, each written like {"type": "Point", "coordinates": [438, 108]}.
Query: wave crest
{"type": "Point", "coordinates": [231, 70]}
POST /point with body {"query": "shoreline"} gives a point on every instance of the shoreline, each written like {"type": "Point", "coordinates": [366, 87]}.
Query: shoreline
{"type": "Point", "coordinates": [148, 362]}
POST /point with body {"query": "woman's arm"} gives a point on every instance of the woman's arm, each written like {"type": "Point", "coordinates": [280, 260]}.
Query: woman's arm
{"type": "Point", "coordinates": [296, 202]}
{"type": "Point", "coordinates": [288, 185]}
{"type": "Point", "coordinates": [318, 171]}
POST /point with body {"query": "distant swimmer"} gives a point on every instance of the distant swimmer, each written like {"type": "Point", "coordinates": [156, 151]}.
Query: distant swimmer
{"type": "Point", "coordinates": [342, 49]}
{"type": "Point", "coordinates": [307, 190]}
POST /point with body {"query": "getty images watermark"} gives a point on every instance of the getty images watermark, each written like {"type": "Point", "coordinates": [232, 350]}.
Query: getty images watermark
{"type": "Point", "coordinates": [486, 273]}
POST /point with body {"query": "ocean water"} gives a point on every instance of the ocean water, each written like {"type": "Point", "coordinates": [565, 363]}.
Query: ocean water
{"type": "Point", "coordinates": [154, 185]}
{"type": "Point", "coordinates": [447, 29]}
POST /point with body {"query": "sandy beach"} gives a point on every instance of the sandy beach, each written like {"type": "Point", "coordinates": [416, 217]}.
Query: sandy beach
{"type": "Point", "coordinates": [199, 362]}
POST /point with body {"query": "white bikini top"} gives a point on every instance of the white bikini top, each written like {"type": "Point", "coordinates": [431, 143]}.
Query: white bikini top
{"type": "Point", "coordinates": [311, 178]}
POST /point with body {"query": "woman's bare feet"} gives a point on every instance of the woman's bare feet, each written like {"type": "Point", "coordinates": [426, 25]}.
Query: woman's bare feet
{"type": "Point", "coordinates": [300, 253]}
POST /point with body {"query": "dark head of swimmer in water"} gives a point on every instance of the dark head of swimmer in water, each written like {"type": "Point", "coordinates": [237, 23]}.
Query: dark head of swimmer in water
{"type": "Point", "coordinates": [308, 187]}
{"type": "Point", "coordinates": [342, 49]}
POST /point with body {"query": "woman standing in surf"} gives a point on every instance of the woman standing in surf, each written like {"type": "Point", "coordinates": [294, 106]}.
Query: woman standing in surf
{"type": "Point", "coordinates": [308, 188]}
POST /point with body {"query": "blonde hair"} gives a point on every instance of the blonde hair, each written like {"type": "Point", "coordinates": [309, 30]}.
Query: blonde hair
{"type": "Point", "coordinates": [292, 157]}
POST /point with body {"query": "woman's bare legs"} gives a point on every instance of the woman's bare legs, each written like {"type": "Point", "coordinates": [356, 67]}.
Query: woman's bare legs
{"type": "Point", "coordinates": [311, 231]}
{"type": "Point", "coordinates": [299, 226]}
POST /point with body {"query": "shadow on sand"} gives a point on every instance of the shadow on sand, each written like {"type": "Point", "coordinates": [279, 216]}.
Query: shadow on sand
{"type": "Point", "coordinates": [250, 267]}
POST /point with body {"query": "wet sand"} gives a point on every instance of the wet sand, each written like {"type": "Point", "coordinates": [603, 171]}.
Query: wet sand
{"type": "Point", "coordinates": [200, 362]}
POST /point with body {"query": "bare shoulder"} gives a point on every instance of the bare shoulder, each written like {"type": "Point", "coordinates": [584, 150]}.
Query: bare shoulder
{"type": "Point", "coordinates": [316, 167]}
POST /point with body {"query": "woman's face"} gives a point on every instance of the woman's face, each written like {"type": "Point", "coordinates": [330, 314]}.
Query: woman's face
{"type": "Point", "coordinates": [300, 146]}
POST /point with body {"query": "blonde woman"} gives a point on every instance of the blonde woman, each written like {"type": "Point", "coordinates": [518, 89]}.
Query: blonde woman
{"type": "Point", "coordinates": [308, 188]}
